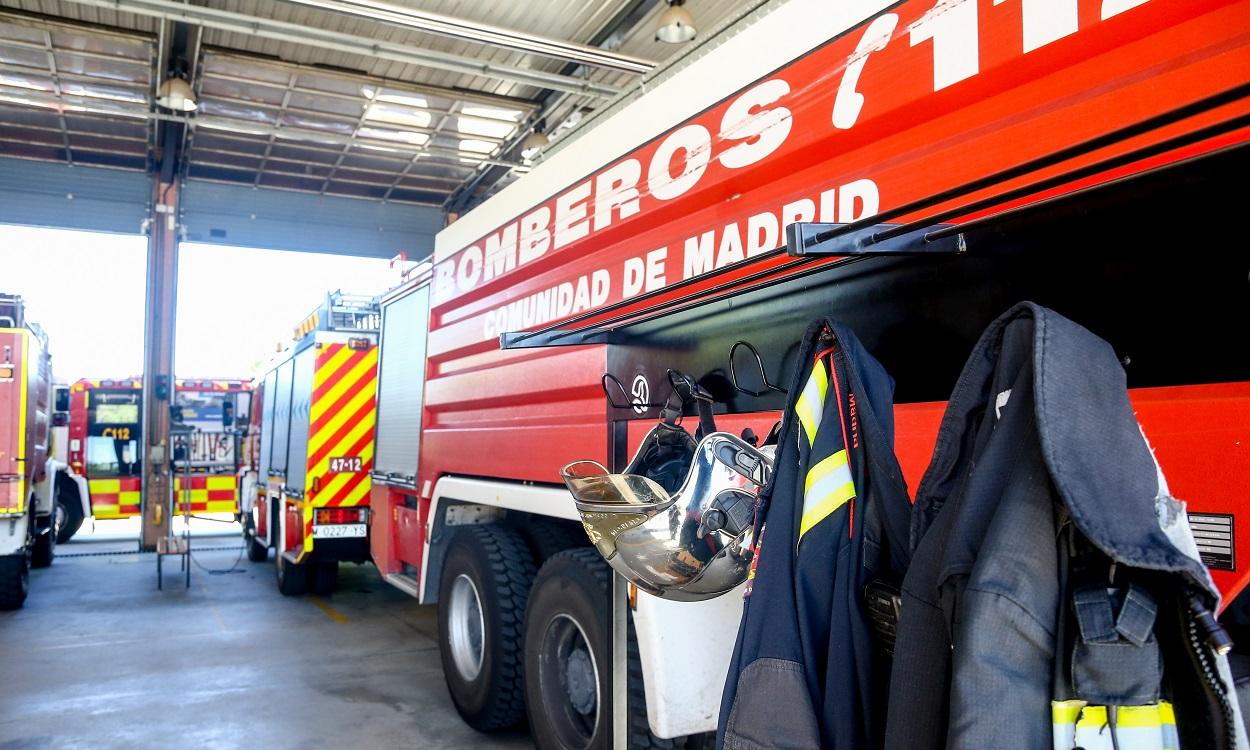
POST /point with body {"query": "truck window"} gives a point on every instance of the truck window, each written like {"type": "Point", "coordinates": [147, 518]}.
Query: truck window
{"type": "Point", "coordinates": [113, 430]}
{"type": "Point", "coordinates": [210, 446]}
{"type": "Point", "coordinates": [109, 457]}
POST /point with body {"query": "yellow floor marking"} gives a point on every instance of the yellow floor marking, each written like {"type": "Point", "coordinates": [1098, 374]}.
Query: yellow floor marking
{"type": "Point", "coordinates": [333, 613]}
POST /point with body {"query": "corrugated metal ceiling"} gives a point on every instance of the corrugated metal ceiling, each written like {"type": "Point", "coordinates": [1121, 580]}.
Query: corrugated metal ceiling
{"type": "Point", "coordinates": [259, 117]}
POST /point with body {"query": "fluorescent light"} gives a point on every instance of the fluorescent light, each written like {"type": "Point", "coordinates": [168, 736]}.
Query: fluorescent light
{"type": "Point", "coordinates": [414, 118]}
{"type": "Point", "coordinates": [487, 128]}
{"type": "Point", "coordinates": [494, 113]}
{"type": "Point", "coordinates": [476, 146]}
{"type": "Point", "coordinates": [408, 100]}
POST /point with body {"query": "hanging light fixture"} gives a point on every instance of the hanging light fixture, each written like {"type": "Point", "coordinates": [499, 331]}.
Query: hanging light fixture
{"type": "Point", "coordinates": [536, 140]}
{"type": "Point", "coordinates": [176, 94]}
{"type": "Point", "coordinates": [676, 25]}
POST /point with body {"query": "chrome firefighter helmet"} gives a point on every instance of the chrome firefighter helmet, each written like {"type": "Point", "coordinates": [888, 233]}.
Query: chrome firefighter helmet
{"type": "Point", "coordinates": [687, 544]}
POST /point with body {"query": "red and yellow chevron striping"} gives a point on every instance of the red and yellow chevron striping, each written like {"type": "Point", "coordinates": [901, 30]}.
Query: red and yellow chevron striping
{"type": "Point", "coordinates": [340, 434]}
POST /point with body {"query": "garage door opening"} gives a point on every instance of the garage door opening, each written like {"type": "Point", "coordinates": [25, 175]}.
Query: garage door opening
{"type": "Point", "coordinates": [236, 308]}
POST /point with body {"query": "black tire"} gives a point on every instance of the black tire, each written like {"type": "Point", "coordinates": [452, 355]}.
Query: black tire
{"type": "Point", "coordinates": [43, 550]}
{"type": "Point", "coordinates": [257, 550]}
{"type": "Point", "coordinates": [326, 577]}
{"type": "Point", "coordinates": [292, 577]}
{"type": "Point", "coordinates": [570, 612]}
{"type": "Point", "coordinates": [488, 572]}
{"type": "Point", "coordinates": [69, 507]}
{"type": "Point", "coordinates": [547, 536]}
{"type": "Point", "coordinates": [14, 581]}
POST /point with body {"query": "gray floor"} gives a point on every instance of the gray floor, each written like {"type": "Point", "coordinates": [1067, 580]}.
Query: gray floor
{"type": "Point", "coordinates": [99, 658]}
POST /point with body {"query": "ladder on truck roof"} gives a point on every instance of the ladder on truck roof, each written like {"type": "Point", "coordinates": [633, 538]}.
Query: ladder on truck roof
{"type": "Point", "coordinates": [343, 312]}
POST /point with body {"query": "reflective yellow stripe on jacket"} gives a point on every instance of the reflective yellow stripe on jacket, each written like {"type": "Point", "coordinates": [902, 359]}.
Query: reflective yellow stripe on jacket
{"type": "Point", "coordinates": [829, 484]}
{"type": "Point", "coordinates": [1076, 723]}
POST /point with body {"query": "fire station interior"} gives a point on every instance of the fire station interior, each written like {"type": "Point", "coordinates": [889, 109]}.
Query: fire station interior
{"type": "Point", "coordinates": [260, 554]}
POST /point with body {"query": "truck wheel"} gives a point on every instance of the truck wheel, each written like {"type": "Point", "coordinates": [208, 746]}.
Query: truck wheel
{"type": "Point", "coordinates": [257, 550]}
{"type": "Point", "coordinates": [326, 578]}
{"type": "Point", "coordinates": [568, 662]}
{"type": "Point", "coordinates": [43, 549]}
{"type": "Point", "coordinates": [14, 581]}
{"type": "Point", "coordinates": [547, 536]}
{"type": "Point", "coordinates": [481, 607]}
{"type": "Point", "coordinates": [292, 577]}
{"type": "Point", "coordinates": [68, 509]}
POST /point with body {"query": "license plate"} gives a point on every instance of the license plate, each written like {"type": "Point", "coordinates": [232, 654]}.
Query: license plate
{"type": "Point", "coordinates": [346, 464]}
{"type": "Point", "coordinates": [339, 531]}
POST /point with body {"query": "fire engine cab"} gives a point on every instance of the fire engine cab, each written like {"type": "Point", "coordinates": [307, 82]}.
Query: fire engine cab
{"type": "Point", "coordinates": [105, 433]}
{"type": "Point", "coordinates": [910, 168]}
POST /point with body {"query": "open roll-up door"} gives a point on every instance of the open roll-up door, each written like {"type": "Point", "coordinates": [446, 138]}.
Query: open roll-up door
{"type": "Point", "coordinates": [96, 199]}
{"type": "Point", "coordinates": [242, 216]}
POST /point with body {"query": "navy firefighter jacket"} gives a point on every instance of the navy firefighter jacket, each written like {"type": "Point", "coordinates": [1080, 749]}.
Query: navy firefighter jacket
{"type": "Point", "coordinates": [805, 673]}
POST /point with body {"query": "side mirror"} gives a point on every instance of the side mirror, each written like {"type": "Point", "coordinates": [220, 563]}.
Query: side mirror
{"type": "Point", "coordinates": [227, 414]}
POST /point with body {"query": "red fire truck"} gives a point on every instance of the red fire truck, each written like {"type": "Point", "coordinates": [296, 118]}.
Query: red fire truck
{"type": "Point", "coordinates": [27, 473]}
{"type": "Point", "coordinates": [932, 162]}
{"type": "Point", "coordinates": [105, 429]}
{"type": "Point", "coordinates": [314, 449]}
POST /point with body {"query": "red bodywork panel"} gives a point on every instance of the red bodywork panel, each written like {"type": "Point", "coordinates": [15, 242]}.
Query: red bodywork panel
{"type": "Point", "coordinates": [294, 526]}
{"type": "Point", "coordinates": [25, 411]}
{"type": "Point", "coordinates": [835, 136]}
{"type": "Point", "coordinates": [13, 466]}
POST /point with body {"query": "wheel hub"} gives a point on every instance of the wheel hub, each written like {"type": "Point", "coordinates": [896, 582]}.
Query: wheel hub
{"type": "Point", "coordinates": [579, 681]}
{"type": "Point", "coordinates": [466, 629]}
{"type": "Point", "coordinates": [570, 681]}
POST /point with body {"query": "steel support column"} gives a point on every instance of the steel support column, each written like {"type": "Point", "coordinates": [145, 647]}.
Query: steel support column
{"type": "Point", "coordinates": [158, 360]}
{"type": "Point", "coordinates": [161, 297]}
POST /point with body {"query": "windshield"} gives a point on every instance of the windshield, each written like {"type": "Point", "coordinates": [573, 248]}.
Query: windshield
{"type": "Point", "coordinates": [211, 446]}
{"type": "Point", "coordinates": [113, 432]}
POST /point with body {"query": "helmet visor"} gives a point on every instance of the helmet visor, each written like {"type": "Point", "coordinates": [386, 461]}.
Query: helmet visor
{"type": "Point", "coordinates": [688, 545]}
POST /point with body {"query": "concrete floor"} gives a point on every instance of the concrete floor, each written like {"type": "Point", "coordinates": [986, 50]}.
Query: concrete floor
{"type": "Point", "coordinates": [98, 658]}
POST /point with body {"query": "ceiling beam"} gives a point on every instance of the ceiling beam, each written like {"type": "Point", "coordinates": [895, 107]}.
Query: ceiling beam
{"type": "Point", "coordinates": [482, 33]}
{"type": "Point", "coordinates": [269, 28]}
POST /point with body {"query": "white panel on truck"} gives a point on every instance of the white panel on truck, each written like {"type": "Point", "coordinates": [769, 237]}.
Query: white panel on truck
{"type": "Point", "coordinates": [401, 383]}
{"type": "Point", "coordinates": [685, 648]}
{"type": "Point", "coordinates": [266, 425]}
{"type": "Point", "coordinates": [301, 403]}
{"type": "Point", "coordinates": [282, 417]}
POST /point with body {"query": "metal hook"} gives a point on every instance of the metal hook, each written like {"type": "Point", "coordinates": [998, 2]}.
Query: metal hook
{"type": "Point", "coordinates": [733, 372]}
{"type": "Point", "coordinates": [630, 403]}
{"type": "Point", "coordinates": [686, 387]}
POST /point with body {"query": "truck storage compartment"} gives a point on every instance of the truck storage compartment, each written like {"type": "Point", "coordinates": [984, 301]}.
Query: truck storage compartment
{"type": "Point", "coordinates": [401, 383]}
